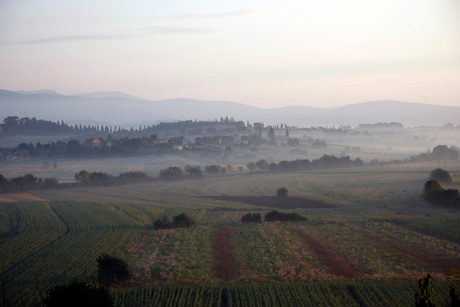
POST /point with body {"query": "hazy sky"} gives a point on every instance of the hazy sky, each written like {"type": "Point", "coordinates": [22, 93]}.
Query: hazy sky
{"type": "Point", "coordinates": [262, 53]}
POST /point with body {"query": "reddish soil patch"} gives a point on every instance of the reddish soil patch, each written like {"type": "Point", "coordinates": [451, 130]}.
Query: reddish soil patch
{"type": "Point", "coordinates": [331, 261]}
{"type": "Point", "coordinates": [224, 252]}
{"type": "Point", "coordinates": [276, 202]}
{"type": "Point", "coordinates": [413, 255]}
{"type": "Point", "coordinates": [136, 245]}
{"type": "Point", "coordinates": [24, 196]}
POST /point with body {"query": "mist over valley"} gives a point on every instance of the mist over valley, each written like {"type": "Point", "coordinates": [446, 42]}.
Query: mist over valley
{"type": "Point", "coordinates": [215, 153]}
{"type": "Point", "coordinates": [117, 108]}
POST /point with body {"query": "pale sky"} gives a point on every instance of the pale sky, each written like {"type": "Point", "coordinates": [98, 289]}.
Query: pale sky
{"type": "Point", "coordinates": [262, 53]}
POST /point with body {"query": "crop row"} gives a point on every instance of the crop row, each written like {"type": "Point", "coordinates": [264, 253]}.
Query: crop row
{"type": "Point", "coordinates": [51, 245]}
{"type": "Point", "coordinates": [175, 255]}
{"type": "Point", "coordinates": [53, 242]}
{"type": "Point", "coordinates": [321, 293]}
{"type": "Point", "coordinates": [294, 252]}
{"type": "Point", "coordinates": [37, 227]}
{"type": "Point", "coordinates": [269, 252]}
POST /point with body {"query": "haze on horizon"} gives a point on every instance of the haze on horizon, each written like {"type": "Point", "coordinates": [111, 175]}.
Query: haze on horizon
{"type": "Point", "coordinates": [261, 53]}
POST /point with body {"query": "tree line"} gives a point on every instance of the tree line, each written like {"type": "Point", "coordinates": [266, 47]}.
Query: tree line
{"type": "Point", "coordinates": [325, 162]}
{"type": "Point", "coordinates": [30, 182]}
{"type": "Point", "coordinates": [13, 125]}
{"type": "Point", "coordinates": [182, 220]}
{"type": "Point", "coordinates": [84, 178]}
{"type": "Point", "coordinates": [439, 153]}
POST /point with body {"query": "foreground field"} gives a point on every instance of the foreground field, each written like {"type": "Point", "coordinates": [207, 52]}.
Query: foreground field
{"type": "Point", "coordinates": [321, 293]}
{"type": "Point", "coordinates": [368, 238]}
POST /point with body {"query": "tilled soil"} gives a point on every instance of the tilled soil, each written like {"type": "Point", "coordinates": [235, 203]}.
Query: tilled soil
{"type": "Point", "coordinates": [224, 253]}
{"type": "Point", "coordinates": [331, 261]}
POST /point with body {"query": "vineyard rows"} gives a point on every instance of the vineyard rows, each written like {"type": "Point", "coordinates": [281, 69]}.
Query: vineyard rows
{"type": "Point", "coordinates": [45, 243]}
{"type": "Point", "coordinates": [320, 293]}
{"type": "Point", "coordinates": [56, 242]}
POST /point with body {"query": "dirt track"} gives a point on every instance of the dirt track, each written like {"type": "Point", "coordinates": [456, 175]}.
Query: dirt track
{"type": "Point", "coordinates": [224, 252]}
{"type": "Point", "coordinates": [412, 254]}
{"type": "Point", "coordinates": [331, 261]}
{"type": "Point", "coordinates": [14, 197]}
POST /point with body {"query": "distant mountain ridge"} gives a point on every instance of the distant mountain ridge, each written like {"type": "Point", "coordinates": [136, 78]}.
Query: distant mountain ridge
{"type": "Point", "coordinates": [108, 95]}
{"type": "Point", "coordinates": [119, 108]}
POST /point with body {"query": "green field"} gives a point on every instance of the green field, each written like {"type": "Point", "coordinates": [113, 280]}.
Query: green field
{"type": "Point", "coordinates": [368, 239]}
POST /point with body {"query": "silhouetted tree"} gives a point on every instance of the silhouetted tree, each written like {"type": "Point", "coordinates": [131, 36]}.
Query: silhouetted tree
{"type": "Point", "coordinates": [78, 293]}
{"type": "Point", "coordinates": [435, 194]}
{"type": "Point", "coordinates": [262, 164]}
{"type": "Point", "coordinates": [293, 142]}
{"type": "Point", "coordinates": [282, 192]}
{"type": "Point", "coordinates": [431, 186]}
{"type": "Point", "coordinates": [82, 175]}
{"type": "Point", "coordinates": [194, 171]}
{"type": "Point", "coordinates": [100, 178]}
{"type": "Point", "coordinates": [275, 215]}
{"type": "Point", "coordinates": [273, 167]}
{"type": "Point", "coordinates": [441, 175]}
{"type": "Point", "coordinates": [172, 173]}
{"type": "Point", "coordinates": [24, 183]}
{"type": "Point", "coordinates": [213, 169]}
{"type": "Point", "coordinates": [111, 270]}
{"type": "Point", "coordinates": [182, 220]}
{"type": "Point", "coordinates": [163, 223]}
{"type": "Point", "coordinates": [271, 135]}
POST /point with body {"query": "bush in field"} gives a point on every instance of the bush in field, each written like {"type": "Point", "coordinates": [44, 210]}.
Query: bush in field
{"type": "Point", "coordinates": [435, 194]}
{"type": "Point", "coordinates": [50, 183]}
{"type": "Point", "coordinates": [275, 215]}
{"type": "Point", "coordinates": [132, 176]}
{"type": "Point", "coordinates": [251, 218]}
{"type": "Point", "coordinates": [111, 270]}
{"type": "Point", "coordinates": [431, 187]}
{"type": "Point", "coordinates": [78, 293]}
{"type": "Point", "coordinates": [182, 220]}
{"type": "Point", "coordinates": [293, 142]}
{"type": "Point", "coordinates": [262, 164]}
{"type": "Point", "coordinates": [441, 175]}
{"type": "Point", "coordinates": [163, 223]}
{"type": "Point", "coordinates": [213, 169]}
{"type": "Point", "coordinates": [172, 173]}
{"type": "Point", "coordinates": [282, 192]}
{"type": "Point", "coordinates": [193, 171]}
{"type": "Point", "coordinates": [251, 166]}
{"type": "Point", "coordinates": [82, 175]}
{"type": "Point", "coordinates": [94, 178]}
{"type": "Point", "coordinates": [100, 178]}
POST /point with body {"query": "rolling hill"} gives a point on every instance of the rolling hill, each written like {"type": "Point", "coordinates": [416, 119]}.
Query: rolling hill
{"type": "Point", "coordinates": [118, 108]}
